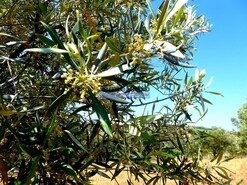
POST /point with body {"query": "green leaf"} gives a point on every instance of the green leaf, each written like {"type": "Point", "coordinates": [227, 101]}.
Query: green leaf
{"type": "Point", "coordinates": [176, 62]}
{"type": "Point", "coordinates": [68, 169]}
{"type": "Point", "coordinates": [163, 12]}
{"type": "Point", "coordinates": [78, 143]}
{"type": "Point", "coordinates": [103, 174]}
{"type": "Point", "coordinates": [34, 108]}
{"type": "Point", "coordinates": [55, 104]}
{"type": "Point", "coordinates": [46, 50]}
{"type": "Point", "coordinates": [220, 156]}
{"type": "Point", "coordinates": [112, 46]}
{"type": "Point", "coordinates": [45, 40]}
{"type": "Point", "coordinates": [178, 16]}
{"type": "Point", "coordinates": [99, 58]}
{"type": "Point", "coordinates": [101, 113]}
{"type": "Point", "coordinates": [48, 133]}
{"type": "Point", "coordinates": [151, 9]}
{"type": "Point", "coordinates": [33, 169]}
{"type": "Point", "coordinates": [207, 101]}
{"type": "Point", "coordinates": [176, 6]}
{"type": "Point", "coordinates": [87, 164]}
{"type": "Point", "coordinates": [56, 39]}
{"type": "Point", "coordinates": [223, 175]}
{"type": "Point", "coordinates": [8, 35]}
{"type": "Point", "coordinates": [180, 144]}
{"type": "Point", "coordinates": [147, 119]}
{"type": "Point", "coordinates": [215, 93]}
{"type": "Point", "coordinates": [118, 170]}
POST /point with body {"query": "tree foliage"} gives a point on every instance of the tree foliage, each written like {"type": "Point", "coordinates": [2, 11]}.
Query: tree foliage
{"type": "Point", "coordinates": [66, 68]}
{"type": "Point", "coordinates": [241, 124]}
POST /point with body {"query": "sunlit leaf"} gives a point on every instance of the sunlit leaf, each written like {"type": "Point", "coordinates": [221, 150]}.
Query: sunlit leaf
{"type": "Point", "coordinates": [112, 97]}
{"type": "Point", "coordinates": [215, 93]}
{"type": "Point", "coordinates": [12, 43]}
{"type": "Point", "coordinates": [151, 9]}
{"type": "Point", "coordinates": [56, 39]}
{"type": "Point", "coordinates": [168, 48]}
{"type": "Point", "coordinates": [162, 15]}
{"type": "Point", "coordinates": [46, 50]}
{"type": "Point", "coordinates": [8, 35]}
{"type": "Point", "coordinates": [113, 71]}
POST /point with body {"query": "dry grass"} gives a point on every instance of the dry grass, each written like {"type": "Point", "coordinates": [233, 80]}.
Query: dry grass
{"type": "Point", "coordinates": [238, 166]}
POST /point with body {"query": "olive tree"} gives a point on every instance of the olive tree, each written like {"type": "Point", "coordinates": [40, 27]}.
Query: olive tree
{"type": "Point", "coordinates": [241, 123]}
{"type": "Point", "coordinates": [67, 68]}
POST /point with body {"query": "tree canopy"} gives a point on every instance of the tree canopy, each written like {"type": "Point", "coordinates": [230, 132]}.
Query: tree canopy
{"type": "Point", "coordinates": [67, 68]}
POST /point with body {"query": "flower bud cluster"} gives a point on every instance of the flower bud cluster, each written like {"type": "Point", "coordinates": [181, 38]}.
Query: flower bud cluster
{"type": "Point", "coordinates": [80, 82]}
{"type": "Point", "coordinates": [136, 49]}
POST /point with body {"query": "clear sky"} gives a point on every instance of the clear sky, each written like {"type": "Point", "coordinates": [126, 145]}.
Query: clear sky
{"type": "Point", "coordinates": [223, 54]}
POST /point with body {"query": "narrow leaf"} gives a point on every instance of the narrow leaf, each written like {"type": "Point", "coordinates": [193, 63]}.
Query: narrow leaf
{"type": "Point", "coordinates": [45, 40]}
{"type": "Point", "coordinates": [178, 63]}
{"type": "Point", "coordinates": [112, 46]}
{"type": "Point", "coordinates": [78, 143]}
{"type": "Point", "coordinates": [178, 16]}
{"type": "Point", "coordinates": [112, 97]}
{"type": "Point", "coordinates": [46, 50]}
{"type": "Point", "coordinates": [113, 71]}
{"type": "Point", "coordinates": [7, 35]}
{"type": "Point", "coordinates": [151, 9]}
{"type": "Point", "coordinates": [103, 174]}
{"type": "Point", "coordinates": [48, 133]}
{"type": "Point", "coordinates": [168, 48]}
{"type": "Point", "coordinates": [12, 43]}
{"type": "Point", "coordinates": [55, 104]}
{"type": "Point", "coordinates": [68, 170]}
{"type": "Point", "coordinates": [163, 12]}
{"type": "Point", "coordinates": [56, 39]}
{"type": "Point", "coordinates": [102, 114]}
{"type": "Point", "coordinates": [176, 6]}
{"type": "Point", "coordinates": [33, 169]}
{"type": "Point", "coordinates": [215, 93]}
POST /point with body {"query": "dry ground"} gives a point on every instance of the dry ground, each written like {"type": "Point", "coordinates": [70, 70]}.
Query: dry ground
{"type": "Point", "coordinates": [238, 166]}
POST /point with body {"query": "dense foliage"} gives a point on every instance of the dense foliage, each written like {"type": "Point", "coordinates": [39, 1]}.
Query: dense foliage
{"type": "Point", "coordinates": [67, 71]}
{"type": "Point", "coordinates": [241, 124]}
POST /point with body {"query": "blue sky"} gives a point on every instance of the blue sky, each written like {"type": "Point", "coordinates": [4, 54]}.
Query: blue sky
{"type": "Point", "coordinates": [222, 53]}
